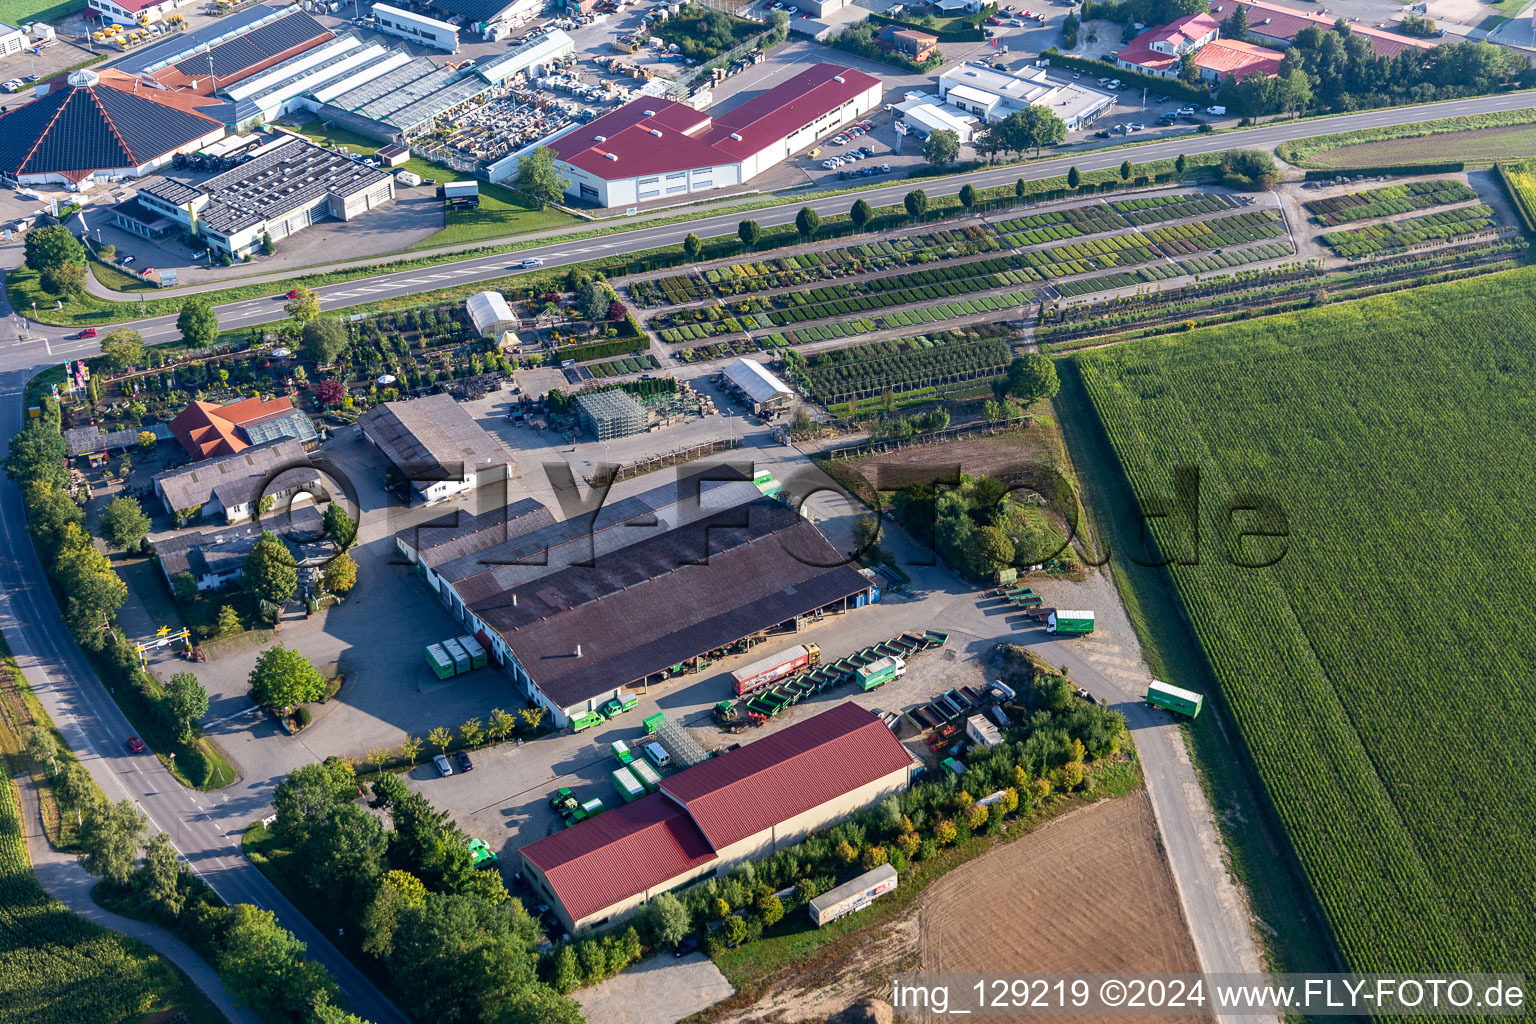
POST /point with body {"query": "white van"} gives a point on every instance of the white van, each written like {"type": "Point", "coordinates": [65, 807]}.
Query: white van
{"type": "Point", "coordinates": [659, 757]}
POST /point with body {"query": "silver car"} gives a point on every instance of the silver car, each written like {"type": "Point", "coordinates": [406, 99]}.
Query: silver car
{"type": "Point", "coordinates": [443, 767]}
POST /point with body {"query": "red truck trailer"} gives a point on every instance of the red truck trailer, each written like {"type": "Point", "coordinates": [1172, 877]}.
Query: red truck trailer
{"type": "Point", "coordinates": [775, 667]}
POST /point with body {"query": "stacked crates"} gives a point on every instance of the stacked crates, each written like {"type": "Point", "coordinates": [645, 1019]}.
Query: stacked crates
{"type": "Point", "coordinates": [621, 752]}
{"type": "Point", "coordinates": [626, 785]}
{"type": "Point", "coordinates": [473, 648]}
{"type": "Point", "coordinates": [648, 776]}
{"type": "Point", "coordinates": [458, 654]}
{"type": "Point", "coordinates": [439, 661]}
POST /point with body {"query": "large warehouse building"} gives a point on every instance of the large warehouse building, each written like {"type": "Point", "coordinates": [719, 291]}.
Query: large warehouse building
{"type": "Point", "coordinates": [745, 803]}
{"type": "Point", "coordinates": [436, 445]}
{"type": "Point", "coordinates": [654, 149]}
{"type": "Point", "coordinates": [992, 95]}
{"type": "Point", "coordinates": [613, 600]}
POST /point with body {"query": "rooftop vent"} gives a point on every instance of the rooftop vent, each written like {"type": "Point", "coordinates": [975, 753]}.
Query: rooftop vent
{"type": "Point", "coordinates": [599, 138]}
{"type": "Point", "coordinates": [656, 132]}
{"type": "Point", "coordinates": [650, 113]}
{"type": "Point", "coordinates": [838, 78]}
{"type": "Point", "coordinates": [1268, 20]}
{"type": "Point", "coordinates": [612, 156]}
{"type": "Point", "coordinates": [735, 136]}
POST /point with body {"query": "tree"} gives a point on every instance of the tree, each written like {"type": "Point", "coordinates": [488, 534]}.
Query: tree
{"type": "Point", "coordinates": [567, 973]}
{"type": "Point", "coordinates": [1179, 163]}
{"type": "Point", "coordinates": [1074, 177]}
{"type": "Point", "coordinates": [331, 392]}
{"type": "Point", "coordinates": [304, 306]}
{"type": "Point", "coordinates": [667, 920]}
{"type": "Point", "coordinates": [472, 732]}
{"type": "Point", "coordinates": [49, 510]}
{"type": "Point", "coordinates": [124, 524]}
{"type": "Point", "coordinates": [77, 788]}
{"type": "Point", "coordinates": [916, 203]}
{"type": "Point", "coordinates": [541, 1004]}
{"type": "Point", "coordinates": [1249, 169]}
{"type": "Point", "coordinates": [967, 195]}
{"type": "Point", "coordinates": [307, 796]}
{"type": "Point", "coordinates": [65, 279]}
{"type": "Point", "coordinates": [458, 958]}
{"type": "Point", "coordinates": [1189, 71]}
{"type": "Point", "coordinates": [197, 322]}
{"type": "Point", "coordinates": [339, 574]}
{"type": "Point", "coordinates": [396, 891]}
{"type": "Point", "coordinates": [1031, 128]}
{"type": "Point", "coordinates": [616, 310]}
{"type": "Point", "coordinates": [345, 855]}
{"type": "Point", "coordinates": [146, 440]}
{"type": "Point", "coordinates": [410, 748]}
{"type": "Point", "coordinates": [1125, 170]}
{"type": "Point", "coordinates": [1019, 189]}
{"type": "Point", "coordinates": [860, 215]}
{"type": "Point", "coordinates": [324, 340]}
{"type": "Point", "coordinates": [229, 621]}
{"type": "Point", "coordinates": [50, 247]}
{"type": "Point", "coordinates": [123, 348]}
{"type": "Point", "coordinates": [284, 679]}
{"type": "Point", "coordinates": [440, 737]}
{"type": "Point", "coordinates": [184, 703]}
{"type": "Point", "coordinates": [806, 222]}
{"type": "Point", "coordinates": [593, 299]}
{"type": "Point", "coordinates": [539, 179]}
{"type": "Point", "coordinates": [993, 545]}
{"type": "Point", "coordinates": [270, 573]}
{"type": "Point", "coordinates": [160, 878]}
{"type": "Point", "coordinates": [941, 147]}
{"type": "Point", "coordinates": [268, 246]}
{"type": "Point", "coordinates": [94, 591]}
{"type": "Point", "coordinates": [1236, 26]}
{"type": "Point", "coordinates": [693, 247]}
{"type": "Point", "coordinates": [42, 748]}
{"type": "Point", "coordinates": [339, 526]}
{"type": "Point", "coordinates": [866, 532]}
{"type": "Point", "coordinates": [1032, 377]}
{"type": "Point", "coordinates": [749, 231]}
{"type": "Point", "coordinates": [36, 455]}
{"type": "Point", "coordinates": [265, 966]}
{"type": "Point", "coordinates": [110, 838]}
{"type": "Point", "coordinates": [501, 724]}
{"type": "Point", "coordinates": [772, 908]}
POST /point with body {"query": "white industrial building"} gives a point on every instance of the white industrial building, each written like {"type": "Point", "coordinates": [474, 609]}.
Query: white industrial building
{"type": "Point", "coordinates": [655, 149]}
{"type": "Point", "coordinates": [12, 40]}
{"type": "Point", "coordinates": [992, 95]}
{"type": "Point", "coordinates": [758, 385]}
{"type": "Point", "coordinates": [923, 114]}
{"type": "Point", "coordinates": [418, 28]}
{"type": "Point", "coordinates": [490, 314]}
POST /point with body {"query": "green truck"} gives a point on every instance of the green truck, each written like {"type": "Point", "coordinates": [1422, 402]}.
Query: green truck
{"type": "Point", "coordinates": [621, 752]}
{"type": "Point", "coordinates": [620, 704]}
{"type": "Point", "coordinates": [482, 855]}
{"type": "Point", "coordinates": [1174, 698]}
{"type": "Point", "coordinates": [1069, 623]}
{"type": "Point", "coordinates": [879, 672]}
{"type": "Point", "coordinates": [437, 659]}
{"type": "Point", "coordinates": [583, 720]}
{"type": "Point", "coordinates": [626, 785]}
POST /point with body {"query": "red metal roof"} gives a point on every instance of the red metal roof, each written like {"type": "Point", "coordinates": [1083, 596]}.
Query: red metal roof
{"type": "Point", "coordinates": [624, 851]}
{"type": "Point", "coordinates": [205, 429]}
{"type": "Point", "coordinates": [1152, 60]}
{"type": "Point", "coordinates": [771, 780]}
{"type": "Point", "coordinates": [650, 136]}
{"type": "Point", "coordinates": [1238, 59]}
{"type": "Point", "coordinates": [1183, 30]}
{"type": "Point", "coordinates": [1272, 21]}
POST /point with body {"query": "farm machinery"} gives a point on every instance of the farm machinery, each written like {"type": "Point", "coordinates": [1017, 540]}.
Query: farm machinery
{"type": "Point", "coordinates": [791, 691]}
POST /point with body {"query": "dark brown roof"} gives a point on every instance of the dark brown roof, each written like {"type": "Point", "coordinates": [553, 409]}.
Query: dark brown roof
{"type": "Point", "coordinates": [431, 438]}
{"type": "Point", "coordinates": [654, 623]}
{"type": "Point", "coordinates": [458, 533]}
{"type": "Point", "coordinates": [786, 773]}
{"type": "Point", "coordinates": [624, 851]}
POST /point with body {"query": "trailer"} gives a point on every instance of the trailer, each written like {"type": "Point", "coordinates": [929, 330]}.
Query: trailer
{"type": "Point", "coordinates": [1069, 623]}
{"type": "Point", "coordinates": [439, 662]}
{"type": "Point", "coordinates": [626, 785]}
{"type": "Point", "coordinates": [621, 752]}
{"type": "Point", "coordinates": [583, 720]}
{"type": "Point", "coordinates": [460, 657]}
{"type": "Point", "coordinates": [774, 667]}
{"type": "Point", "coordinates": [879, 672]}
{"type": "Point", "coordinates": [982, 731]}
{"type": "Point", "coordinates": [475, 651]}
{"type": "Point", "coordinates": [647, 776]}
{"type": "Point", "coordinates": [852, 895]}
{"type": "Point", "coordinates": [1175, 699]}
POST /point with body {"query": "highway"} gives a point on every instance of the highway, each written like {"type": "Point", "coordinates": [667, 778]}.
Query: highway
{"type": "Point", "coordinates": [206, 827]}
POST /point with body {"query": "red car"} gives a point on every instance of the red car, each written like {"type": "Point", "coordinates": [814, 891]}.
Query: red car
{"type": "Point", "coordinates": [146, 271]}
{"type": "Point", "coordinates": [292, 295]}
{"type": "Point", "coordinates": [89, 332]}
{"type": "Point", "coordinates": [135, 745]}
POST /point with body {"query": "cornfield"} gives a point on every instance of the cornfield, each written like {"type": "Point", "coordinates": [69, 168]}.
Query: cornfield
{"type": "Point", "coordinates": [1380, 671]}
{"type": "Point", "coordinates": [55, 967]}
{"type": "Point", "coordinates": [1520, 179]}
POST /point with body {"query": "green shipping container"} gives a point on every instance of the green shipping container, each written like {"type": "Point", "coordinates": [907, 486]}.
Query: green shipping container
{"type": "Point", "coordinates": [475, 651]}
{"type": "Point", "coordinates": [653, 722]}
{"type": "Point", "coordinates": [440, 663]}
{"type": "Point", "coordinates": [879, 672]}
{"type": "Point", "coordinates": [626, 785]}
{"type": "Point", "coordinates": [648, 776]}
{"type": "Point", "coordinates": [621, 751]}
{"type": "Point", "coordinates": [457, 653]}
{"type": "Point", "coordinates": [582, 720]}
{"type": "Point", "coordinates": [1068, 623]}
{"type": "Point", "coordinates": [1174, 698]}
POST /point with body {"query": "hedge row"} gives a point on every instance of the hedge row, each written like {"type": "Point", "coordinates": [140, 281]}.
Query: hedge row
{"type": "Point", "coordinates": [1389, 170]}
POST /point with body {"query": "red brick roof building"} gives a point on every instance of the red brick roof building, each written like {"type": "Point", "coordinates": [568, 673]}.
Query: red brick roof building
{"type": "Point", "coordinates": [745, 803]}
{"type": "Point", "coordinates": [207, 430]}
{"type": "Point", "coordinates": [1229, 58]}
{"type": "Point", "coordinates": [1277, 25]}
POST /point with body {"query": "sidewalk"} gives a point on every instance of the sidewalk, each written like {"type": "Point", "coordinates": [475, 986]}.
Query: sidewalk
{"type": "Point", "coordinates": [61, 875]}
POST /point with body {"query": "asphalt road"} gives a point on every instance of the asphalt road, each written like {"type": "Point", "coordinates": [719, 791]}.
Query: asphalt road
{"type": "Point", "coordinates": [52, 344]}
{"type": "Point", "coordinates": [206, 828]}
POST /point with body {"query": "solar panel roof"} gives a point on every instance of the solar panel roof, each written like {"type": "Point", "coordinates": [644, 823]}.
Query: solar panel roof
{"type": "Point", "coordinates": [253, 47]}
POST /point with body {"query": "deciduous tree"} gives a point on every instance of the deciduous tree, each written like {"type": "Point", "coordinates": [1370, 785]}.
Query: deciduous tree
{"type": "Point", "coordinates": [539, 179]}
{"type": "Point", "coordinates": [160, 879]}
{"type": "Point", "coordinates": [339, 526]}
{"type": "Point", "coordinates": [184, 703]}
{"type": "Point", "coordinates": [123, 347]}
{"type": "Point", "coordinates": [693, 247]}
{"type": "Point", "coordinates": [270, 573]}
{"type": "Point", "coordinates": [124, 524]}
{"type": "Point", "coordinates": [1032, 378]}
{"type": "Point", "coordinates": [860, 214]}
{"type": "Point", "coordinates": [941, 147]}
{"type": "Point", "coordinates": [749, 231]}
{"type": "Point", "coordinates": [284, 679]}
{"type": "Point", "coordinates": [340, 574]}
{"type": "Point", "coordinates": [806, 222]}
{"type": "Point", "coordinates": [50, 247]}
{"type": "Point", "coordinates": [110, 839]}
{"type": "Point", "coordinates": [324, 340]}
{"type": "Point", "coordinates": [197, 322]}
{"type": "Point", "coordinates": [304, 306]}
{"type": "Point", "coordinates": [916, 203]}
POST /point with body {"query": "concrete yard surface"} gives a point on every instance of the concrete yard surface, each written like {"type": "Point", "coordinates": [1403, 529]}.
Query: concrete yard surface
{"type": "Point", "coordinates": [660, 990]}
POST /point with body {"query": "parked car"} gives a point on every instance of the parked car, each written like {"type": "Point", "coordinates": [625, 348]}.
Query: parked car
{"type": "Point", "coordinates": [462, 760]}
{"type": "Point", "coordinates": [135, 745]}
{"type": "Point", "coordinates": [1185, 111]}
{"type": "Point", "coordinates": [1119, 129]}
{"type": "Point", "coordinates": [146, 271]}
{"type": "Point", "coordinates": [89, 332]}
{"type": "Point", "coordinates": [1135, 126]}
{"type": "Point", "coordinates": [792, 10]}
{"type": "Point", "coordinates": [885, 168]}
{"type": "Point", "coordinates": [866, 151]}
{"type": "Point", "coordinates": [13, 85]}
{"type": "Point", "coordinates": [443, 767]}
{"type": "Point", "coordinates": [124, 261]}
{"type": "Point", "coordinates": [1101, 134]}
{"type": "Point", "coordinates": [685, 947]}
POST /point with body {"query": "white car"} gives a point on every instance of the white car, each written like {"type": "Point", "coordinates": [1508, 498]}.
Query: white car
{"type": "Point", "coordinates": [1185, 111]}
{"type": "Point", "coordinates": [532, 261]}
{"type": "Point", "coordinates": [443, 767]}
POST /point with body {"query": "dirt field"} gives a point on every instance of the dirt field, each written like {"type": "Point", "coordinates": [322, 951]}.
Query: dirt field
{"type": "Point", "coordinates": [998, 455]}
{"type": "Point", "coordinates": [1511, 142]}
{"type": "Point", "coordinates": [1088, 892]}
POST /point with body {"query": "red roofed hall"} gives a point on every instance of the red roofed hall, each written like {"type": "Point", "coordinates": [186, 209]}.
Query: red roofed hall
{"type": "Point", "coordinates": [207, 430]}
{"type": "Point", "coordinates": [654, 149]}
{"type": "Point", "coordinates": [1275, 25]}
{"type": "Point", "coordinates": [745, 803]}
{"type": "Point", "coordinates": [1159, 49]}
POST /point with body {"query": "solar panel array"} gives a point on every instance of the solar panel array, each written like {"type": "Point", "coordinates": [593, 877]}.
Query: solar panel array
{"type": "Point", "coordinates": [93, 128]}
{"type": "Point", "coordinates": [247, 50]}
{"type": "Point", "coordinates": [412, 94]}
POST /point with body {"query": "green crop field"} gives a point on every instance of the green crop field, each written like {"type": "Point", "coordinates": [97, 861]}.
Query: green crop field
{"type": "Point", "coordinates": [57, 968]}
{"type": "Point", "coordinates": [1379, 672]}
{"type": "Point", "coordinates": [25, 12]}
